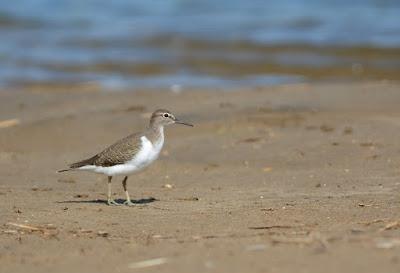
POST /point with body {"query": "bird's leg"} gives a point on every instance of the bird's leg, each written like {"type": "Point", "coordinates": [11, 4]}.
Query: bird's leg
{"type": "Point", "coordinates": [128, 199]}
{"type": "Point", "coordinates": [110, 201]}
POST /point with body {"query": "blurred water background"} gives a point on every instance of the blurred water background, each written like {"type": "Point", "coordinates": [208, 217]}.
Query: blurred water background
{"type": "Point", "coordinates": [206, 43]}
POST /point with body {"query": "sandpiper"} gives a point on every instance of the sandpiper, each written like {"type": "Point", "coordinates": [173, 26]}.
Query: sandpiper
{"type": "Point", "coordinates": [130, 154]}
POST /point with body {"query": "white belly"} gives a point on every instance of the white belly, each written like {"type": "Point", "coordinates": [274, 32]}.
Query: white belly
{"type": "Point", "coordinates": [147, 154]}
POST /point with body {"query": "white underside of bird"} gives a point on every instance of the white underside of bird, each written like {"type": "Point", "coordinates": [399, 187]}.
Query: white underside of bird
{"type": "Point", "coordinates": [147, 154]}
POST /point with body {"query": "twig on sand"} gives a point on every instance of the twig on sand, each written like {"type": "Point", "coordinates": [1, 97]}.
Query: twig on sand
{"type": "Point", "coordinates": [372, 222]}
{"type": "Point", "coordinates": [148, 263]}
{"type": "Point", "coordinates": [48, 230]}
{"type": "Point", "coordinates": [388, 226]}
{"type": "Point", "coordinates": [276, 226]}
{"type": "Point", "coordinates": [27, 227]}
{"type": "Point", "coordinates": [10, 231]}
{"type": "Point", "coordinates": [9, 123]}
{"type": "Point", "coordinates": [391, 225]}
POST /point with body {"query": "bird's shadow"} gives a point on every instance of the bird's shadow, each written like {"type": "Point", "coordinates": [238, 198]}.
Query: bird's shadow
{"type": "Point", "coordinates": [101, 201]}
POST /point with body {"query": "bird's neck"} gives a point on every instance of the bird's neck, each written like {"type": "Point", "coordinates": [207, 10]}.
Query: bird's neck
{"type": "Point", "coordinates": [156, 133]}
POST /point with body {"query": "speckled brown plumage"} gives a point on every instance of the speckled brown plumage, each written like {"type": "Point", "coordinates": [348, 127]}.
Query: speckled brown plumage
{"type": "Point", "coordinates": [118, 153]}
{"type": "Point", "coordinates": [121, 151]}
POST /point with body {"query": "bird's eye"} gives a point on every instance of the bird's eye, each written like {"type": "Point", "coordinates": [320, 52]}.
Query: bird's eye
{"type": "Point", "coordinates": [166, 115]}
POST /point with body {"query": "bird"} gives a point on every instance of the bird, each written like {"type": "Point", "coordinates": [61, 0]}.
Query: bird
{"type": "Point", "coordinates": [130, 154]}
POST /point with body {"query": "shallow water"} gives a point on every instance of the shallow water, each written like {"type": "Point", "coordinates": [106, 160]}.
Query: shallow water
{"type": "Point", "coordinates": [129, 44]}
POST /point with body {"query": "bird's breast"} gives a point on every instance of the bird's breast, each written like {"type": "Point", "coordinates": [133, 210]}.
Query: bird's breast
{"type": "Point", "coordinates": [148, 152]}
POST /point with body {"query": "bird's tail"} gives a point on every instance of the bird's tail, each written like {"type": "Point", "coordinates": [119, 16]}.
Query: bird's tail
{"type": "Point", "coordinates": [79, 164]}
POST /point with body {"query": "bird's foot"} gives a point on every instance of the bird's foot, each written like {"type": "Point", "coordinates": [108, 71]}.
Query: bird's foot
{"type": "Point", "coordinates": [111, 202]}
{"type": "Point", "coordinates": [129, 203]}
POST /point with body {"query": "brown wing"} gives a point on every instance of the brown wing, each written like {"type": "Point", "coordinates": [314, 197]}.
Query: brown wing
{"type": "Point", "coordinates": [118, 153]}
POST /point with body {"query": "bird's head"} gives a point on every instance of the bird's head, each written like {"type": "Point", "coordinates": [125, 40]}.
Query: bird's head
{"type": "Point", "coordinates": [162, 117]}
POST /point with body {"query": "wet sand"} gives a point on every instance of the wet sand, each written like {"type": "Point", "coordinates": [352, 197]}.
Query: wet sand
{"type": "Point", "coordinates": [292, 178]}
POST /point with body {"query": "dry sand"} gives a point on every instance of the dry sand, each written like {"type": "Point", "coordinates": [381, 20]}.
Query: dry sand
{"type": "Point", "coordinates": [293, 178]}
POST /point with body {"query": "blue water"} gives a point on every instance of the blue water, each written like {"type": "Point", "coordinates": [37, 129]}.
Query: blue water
{"type": "Point", "coordinates": [112, 42]}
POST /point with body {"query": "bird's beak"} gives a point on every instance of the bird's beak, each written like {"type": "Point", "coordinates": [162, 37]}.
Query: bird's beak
{"type": "Point", "coordinates": [177, 121]}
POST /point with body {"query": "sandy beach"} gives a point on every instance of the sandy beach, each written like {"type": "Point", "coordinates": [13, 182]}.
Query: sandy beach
{"type": "Point", "coordinates": [289, 178]}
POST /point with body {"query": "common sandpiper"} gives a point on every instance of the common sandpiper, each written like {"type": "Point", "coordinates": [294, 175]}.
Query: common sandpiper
{"type": "Point", "coordinates": [130, 154]}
